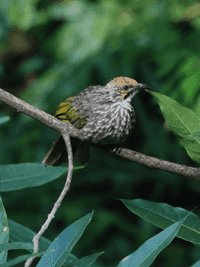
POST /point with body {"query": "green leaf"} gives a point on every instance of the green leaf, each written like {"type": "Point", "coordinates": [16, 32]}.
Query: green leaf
{"type": "Point", "coordinates": [193, 149]}
{"type": "Point", "coordinates": [4, 233]}
{"type": "Point", "coordinates": [89, 260]}
{"type": "Point", "coordinates": [197, 264]}
{"type": "Point", "coordinates": [182, 121]}
{"type": "Point", "coordinates": [20, 176]}
{"type": "Point", "coordinates": [23, 258]}
{"type": "Point", "coordinates": [193, 136]}
{"type": "Point", "coordinates": [4, 119]}
{"type": "Point", "coordinates": [21, 233]}
{"type": "Point", "coordinates": [16, 245]}
{"type": "Point", "coordinates": [163, 215]}
{"type": "Point", "coordinates": [146, 254]}
{"type": "Point", "coordinates": [64, 243]}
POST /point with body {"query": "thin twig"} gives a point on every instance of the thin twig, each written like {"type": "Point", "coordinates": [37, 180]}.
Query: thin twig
{"type": "Point", "coordinates": [160, 164]}
{"type": "Point", "coordinates": [51, 215]}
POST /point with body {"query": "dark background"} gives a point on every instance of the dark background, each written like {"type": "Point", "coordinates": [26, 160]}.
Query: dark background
{"type": "Point", "coordinates": [50, 50]}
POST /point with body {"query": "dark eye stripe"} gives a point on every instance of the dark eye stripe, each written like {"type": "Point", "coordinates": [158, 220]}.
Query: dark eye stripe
{"type": "Point", "coordinates": [125, 87]}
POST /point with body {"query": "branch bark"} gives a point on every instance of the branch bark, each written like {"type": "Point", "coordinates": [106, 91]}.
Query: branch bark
{"type": "Point", "coordinates": [68, 130]}
{"type": "Point", "coordinates": [160, 164]}
{"type": "Point", "coordinates": [38, 114]}
{"type": "Point", "coordinates": [58, 125]}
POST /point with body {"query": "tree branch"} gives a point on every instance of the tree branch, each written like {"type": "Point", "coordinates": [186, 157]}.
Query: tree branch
{"type": "Point", "coordinates": [67, 130]}
{"type": "Point", "coordinates": [38, 114]}
{"type": "Point", "coordinates": [160, 164]}
{"type": "Point", "coordinates": [58, 125]}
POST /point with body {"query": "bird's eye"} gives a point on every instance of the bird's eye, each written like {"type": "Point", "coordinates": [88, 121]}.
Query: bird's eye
{"type": "Point", "coordinates": [125, 87]}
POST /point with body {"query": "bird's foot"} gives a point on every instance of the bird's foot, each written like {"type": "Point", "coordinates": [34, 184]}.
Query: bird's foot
{"type": "Point", "coordinates": [117, 150]}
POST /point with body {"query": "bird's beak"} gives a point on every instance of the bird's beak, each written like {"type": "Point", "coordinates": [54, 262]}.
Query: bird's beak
{"type": "Point", "coordinates": [143, 86]}
{"type": "Point", "coordinates": [133, 90]}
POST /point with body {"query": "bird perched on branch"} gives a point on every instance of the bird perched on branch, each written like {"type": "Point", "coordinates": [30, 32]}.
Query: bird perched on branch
{"type": "Point", "coordinates": [103, 114]}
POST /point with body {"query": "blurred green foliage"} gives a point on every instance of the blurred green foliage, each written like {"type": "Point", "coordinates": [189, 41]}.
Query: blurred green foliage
{"type": "Point", "coordinates": [50, 50]}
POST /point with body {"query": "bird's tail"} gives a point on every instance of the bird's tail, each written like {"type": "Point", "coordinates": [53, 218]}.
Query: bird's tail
{"type": "Point", "coordinates": [57, 154]}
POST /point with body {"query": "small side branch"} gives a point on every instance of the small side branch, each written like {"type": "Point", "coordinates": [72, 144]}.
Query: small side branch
{"type": "Point", "coordinates": [160, 164]}
{"type": "Point", "coordinates": [57, 204]}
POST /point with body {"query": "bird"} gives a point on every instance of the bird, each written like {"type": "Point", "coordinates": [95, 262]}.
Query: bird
{"type": "Point", "coordinates": [104, 116]}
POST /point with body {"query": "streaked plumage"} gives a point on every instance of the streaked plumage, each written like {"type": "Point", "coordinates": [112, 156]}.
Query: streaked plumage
{"type": "Point", "coordinates": [103, 114]}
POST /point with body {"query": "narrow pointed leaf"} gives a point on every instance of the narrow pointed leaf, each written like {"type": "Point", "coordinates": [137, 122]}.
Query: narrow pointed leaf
{"type": "Point", "coordinates": [146, 254]}
{"type": "Point", "coordinates": [64, 243]}
{"type": "Point", "coordinates": [21, 233]}
{"type": "Point", "coordinates": [20, 176]}
{"type": "Point", "coordinates": [89, 260]}
{"type": "Point", "coordinates": [23, 258]}
{"type": "Point", "coordinates": [163, 215]}
{"type": "Point", "coordinates": [16, 245]}
{"type": "Point", "coordinates": [4, 233]}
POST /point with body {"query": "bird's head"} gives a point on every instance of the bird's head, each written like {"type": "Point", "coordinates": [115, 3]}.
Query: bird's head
{"type": "Point", "coordinates": [125, 87]}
